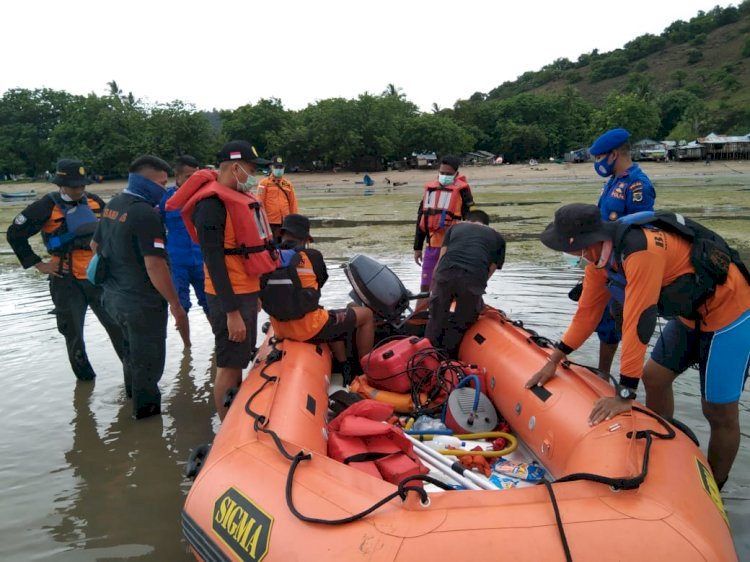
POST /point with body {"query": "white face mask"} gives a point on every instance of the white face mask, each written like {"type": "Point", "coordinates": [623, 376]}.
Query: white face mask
{"type": "Point", "coordinates": [248, 185]}
{"type": "Point", "coordinates": [65, 197]}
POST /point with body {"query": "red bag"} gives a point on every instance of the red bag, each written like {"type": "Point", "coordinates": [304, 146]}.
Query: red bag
{"type": "Point", "coordinates": [394, 365]}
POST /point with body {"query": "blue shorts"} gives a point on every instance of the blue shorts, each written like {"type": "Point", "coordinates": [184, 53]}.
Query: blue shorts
{"type": "Point", "coordinates": [722, 356]}
{"type": "Point", "coordinates": [185, 275]}
{"type": "Point", "coordinates": [607, 328]}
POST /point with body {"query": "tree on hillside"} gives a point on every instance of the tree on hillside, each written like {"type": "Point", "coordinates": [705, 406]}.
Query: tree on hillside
{"type": "Point", "coordinates": [672, 106]}
{"type": "Point", "coordinates": [638, 116]}
{"type": "Point", "coordinates": [436, 132]}
{"type": "Point", "coordinates": [27, 118]}
{"type": "Point", "coordinates": [679, 76]}
{"type": "Point", "coordinates": [256, 124]}
{"type": "Point", "coordinates": [105, 132]}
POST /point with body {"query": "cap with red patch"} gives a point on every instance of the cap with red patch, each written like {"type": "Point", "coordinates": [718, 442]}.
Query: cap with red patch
{"type": "Point", "coordinates": [243, 151]}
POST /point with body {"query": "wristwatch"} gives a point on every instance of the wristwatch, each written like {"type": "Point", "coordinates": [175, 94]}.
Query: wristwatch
{"type": "Point", "coordinates": [625, 393]}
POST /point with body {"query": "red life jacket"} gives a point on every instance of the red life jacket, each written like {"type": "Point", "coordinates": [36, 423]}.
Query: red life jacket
{"type": "Point", "coordinates": [358, 436]}
{"type": "Point", "coordinates": [251, 229]}
{"type": "Point", "coordinates": [442, 205]}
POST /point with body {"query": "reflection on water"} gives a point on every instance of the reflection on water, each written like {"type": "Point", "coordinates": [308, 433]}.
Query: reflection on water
{"type": "Point", "coordinates": [83, 481]}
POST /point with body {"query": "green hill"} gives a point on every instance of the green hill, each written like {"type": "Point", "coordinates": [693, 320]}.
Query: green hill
{"type": "Point", "coordinates": [706, 59]}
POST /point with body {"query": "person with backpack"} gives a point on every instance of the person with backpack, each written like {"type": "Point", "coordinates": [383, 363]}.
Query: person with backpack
{"type": "Point", "coordinates": [661, 264]}
{"type": "Point", "coordinates": [291, 294]}
{"type": "Point", "coordinates": [67, 219]}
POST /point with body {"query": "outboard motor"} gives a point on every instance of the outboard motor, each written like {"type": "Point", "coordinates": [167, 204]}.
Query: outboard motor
{"type": "Point", "coordinates": [377, 287]}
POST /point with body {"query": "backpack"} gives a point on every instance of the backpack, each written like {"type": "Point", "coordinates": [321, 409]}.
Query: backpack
{"type": "Point", "coordinates": [282, 294]}
{"type": "Point", "coordinates": [710, 256]}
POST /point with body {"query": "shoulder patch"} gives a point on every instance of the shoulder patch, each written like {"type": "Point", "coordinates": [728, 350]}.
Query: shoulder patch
{"type": "Point", "coordinates": [20, 219]}
{"type": "Point", "coordinates": [637, 196]}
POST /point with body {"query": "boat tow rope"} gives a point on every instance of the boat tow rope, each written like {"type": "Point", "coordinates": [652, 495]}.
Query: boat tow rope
{"type": "Point", "coordinates": [259, 425]}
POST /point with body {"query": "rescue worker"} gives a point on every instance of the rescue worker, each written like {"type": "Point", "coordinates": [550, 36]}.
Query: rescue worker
{"type": "Point", "coordinates": [67, 220]}
{"type": "Point", "coordinates": [628, 190]}
{"type": "Point", "coordinates": [445, 200]}
{"type": "Point", "coordinates": [185, 259]}
{"type": "Point", "coordinates": [225, 218]}
{"type": "Point", "coordinates": [277, 195]}
{"type": "Point", "coordinates": [472, 251]}
{"type": "Point", "coordinates": [291, 296]}
{"type": "Point", "coordinates": [131, 241]}
{"type": "Point", "coordinates": [702, 285]}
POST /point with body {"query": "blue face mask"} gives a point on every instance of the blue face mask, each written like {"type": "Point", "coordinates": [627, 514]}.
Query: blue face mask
{"type": "Point", "coordinates": [278, 172]}
{"type": "Point", "coordinates": [604, 167]}
{"type": "Point", "coordinates": [445, 179]}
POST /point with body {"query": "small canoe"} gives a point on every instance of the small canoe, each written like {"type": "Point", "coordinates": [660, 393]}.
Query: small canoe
{"type": "Point", "coordinates": [17, 195]}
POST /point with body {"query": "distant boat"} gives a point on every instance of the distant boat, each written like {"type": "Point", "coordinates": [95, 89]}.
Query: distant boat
{"type": "Point", "coordinates": [17, 195]}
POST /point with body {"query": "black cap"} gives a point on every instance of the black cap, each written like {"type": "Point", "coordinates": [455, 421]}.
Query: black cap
{"type": "Point", "coordinates": [70, 173]}
{"type": "Point", "coordinates": [298, 226]}
{"type": "Point", "coordinates": [278, 162]}
{"type": "Point", "coordinates": [241, 150]}
{"type": "Point", "coordinates": [576, 226]}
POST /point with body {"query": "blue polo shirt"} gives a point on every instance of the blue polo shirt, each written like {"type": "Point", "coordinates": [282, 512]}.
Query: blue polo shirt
{"type": "Point", "coordinates": [181, 248]}
{"type": "Point", "coordinates": [628, 193]}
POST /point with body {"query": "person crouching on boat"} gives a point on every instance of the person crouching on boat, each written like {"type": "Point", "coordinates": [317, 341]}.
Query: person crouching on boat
{"type": "Point", "coordinates": [651, 263]}
{"type": "Point", "coordinates": [67, 220]}
{"type": "Point", "coordinates": [471, 253]}
{"type": "Point", "coordinates": [291, 294]}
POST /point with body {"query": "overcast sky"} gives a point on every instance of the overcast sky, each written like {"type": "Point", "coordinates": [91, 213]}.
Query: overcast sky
{"type": "Point", "coordinates": [223, 54]}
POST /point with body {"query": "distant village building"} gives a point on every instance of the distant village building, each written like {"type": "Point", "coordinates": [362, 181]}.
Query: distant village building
{"type": "Point", "coordinates": [690, 151]}
{"type": "Point", "coordinates": [726, 147]}
{"type": "Point", "coordinates": [478, 158]}
{"type": "Point", "coordinates": [423, 159]}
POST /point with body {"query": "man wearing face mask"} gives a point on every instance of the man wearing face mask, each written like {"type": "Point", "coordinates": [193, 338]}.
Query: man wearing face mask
{"type": "Point", "coordinates": [67, 219]}
{"type": "Point", "coordinates": [661, 264]}
{"type": "Point", "coordinates": [223, 216]}
{"type": "Point", "coordinates": [445, 201]}
{"type": "Point", "coordinates": [138, 284]}
{"type": "Point", "coordinates": [276, 193]}
{"type": "Point", "coordinates": [628, 190]}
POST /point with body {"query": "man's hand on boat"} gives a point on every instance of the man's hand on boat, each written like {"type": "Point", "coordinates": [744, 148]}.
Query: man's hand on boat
{"type": "Point", "coordinates": [547, 371]}
{"type": "Point", "coordinates": [607, 408]}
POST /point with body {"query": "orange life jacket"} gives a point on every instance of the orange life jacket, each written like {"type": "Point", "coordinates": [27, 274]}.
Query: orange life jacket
{"type": "Point", "coordinates": [442, 205]}
{"type": "Point", "coordinates": [252, 233]}
{"type": "Point", "coordinates": [358, 436]}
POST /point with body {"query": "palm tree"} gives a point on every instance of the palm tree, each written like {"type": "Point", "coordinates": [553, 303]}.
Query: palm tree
{"type": "Point", "coordinates": [393, 90]}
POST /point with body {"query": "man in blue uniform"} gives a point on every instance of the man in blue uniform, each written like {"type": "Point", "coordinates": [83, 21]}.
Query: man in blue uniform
{"type": "Point", "coordinates": [628, 190]}
{"type": "Point", "coordinates": [185, 256]}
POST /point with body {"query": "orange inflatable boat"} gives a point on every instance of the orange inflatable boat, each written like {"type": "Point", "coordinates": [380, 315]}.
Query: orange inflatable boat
{"type": "Point", "coordinates": [634, 488]}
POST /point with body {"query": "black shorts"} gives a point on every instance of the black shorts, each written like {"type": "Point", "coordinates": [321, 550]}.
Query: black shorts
{"type": "Point", "coordinates": [229, 354]}
{"type": "Point", "coordinates": [340, 326]}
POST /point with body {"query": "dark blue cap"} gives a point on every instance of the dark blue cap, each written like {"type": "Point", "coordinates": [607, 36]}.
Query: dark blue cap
{"type": "Point", "coordinates": [609, 141]}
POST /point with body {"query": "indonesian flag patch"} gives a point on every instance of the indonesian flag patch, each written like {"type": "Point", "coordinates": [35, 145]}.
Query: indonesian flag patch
{"type": "Point", "coordinates": [159, 243]}
{"type": "Point", "coordinates": [236, 155]}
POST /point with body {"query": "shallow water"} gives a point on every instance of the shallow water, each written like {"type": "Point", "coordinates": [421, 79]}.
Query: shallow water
{"type": "Point", "coordinates": [82, 481]}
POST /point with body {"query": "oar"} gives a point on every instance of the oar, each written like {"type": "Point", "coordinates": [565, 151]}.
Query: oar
{"type": "Point", "coordinates": [458, 478]}
{"type": "Point", "coordinates": [455, 466]}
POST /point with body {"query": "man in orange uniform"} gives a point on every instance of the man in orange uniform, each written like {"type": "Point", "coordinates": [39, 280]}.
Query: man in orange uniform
{"type": "Point", "coordinates": [661, 274]}
{"type": "Point", "coordinates": [67, 220]}
{"type": "Point", "coordinates": [224, 217]}
{"type": "Point", "coordinates": [277, 195]}
{"type": "Point", "coordinates": [291, 297]}
{"type": "Point", "coordinates": [446, 200]}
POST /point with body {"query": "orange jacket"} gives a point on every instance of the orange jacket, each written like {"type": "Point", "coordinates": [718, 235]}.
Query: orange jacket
{"type": "Point", "coordinates": [278, 198]}
{"type": "Point", "coordinates": [665, 258]}
{"type": "Point", "coordinates": [80, 257]}
{"type": "Point", "coordinates": [247, 230]}
{"type": "Point", "coordinates": [312, 322]}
